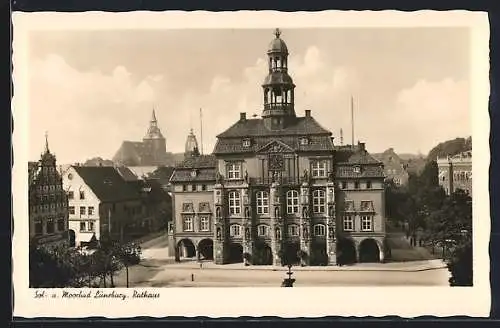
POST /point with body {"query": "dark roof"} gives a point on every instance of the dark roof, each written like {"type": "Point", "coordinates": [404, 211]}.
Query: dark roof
{"type": "Point", "coordinates": [348, 159]}
{"type": "Point", "coordinates": [303, 126]}
{"type": "Point", "coordinates": [231, 140]}
{"type": "Point", "coordinates": [163, 172]}
{"type": "Point", "coordinates": [205, 166]}
{"type": "Point", "coordinates": [126, 173]}
{"type": "Point", "coordinates": [202, 161]}
{"type": "Point", "coordinates": [150, 189]}
{"type": "Point", "coordinates": [107, 183]}
{"type": "Point", "coordinates": [367, 171]}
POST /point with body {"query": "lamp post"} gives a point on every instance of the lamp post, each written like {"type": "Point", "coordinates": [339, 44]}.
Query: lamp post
{"type": "Point", "coordinates": [288, 282]}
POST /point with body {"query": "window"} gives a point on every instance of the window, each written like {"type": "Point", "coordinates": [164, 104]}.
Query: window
{"type": "Point", "coordinates": [343, 185]}
{"type": "Point", "coordinates": [246, 143]}
{"type": "Point", "coordinates": [203, 187]}
{"type": "Point", "coordinates": [234, 202]}
{"type": "Point", "coordinates": [187, 224]}
{"type": "Point", "coordinates": [262, 202]}
{"type": "Point", "coordinates": [60, 225]}
{"type": "Point", "coordinates": [91, 225]}
{"type": "Point", "coordinates": [357, 169]}
{"type": "Point", "coordinates": [50, 226]}
{"type": "Point", "coordinates": [292, 202]}
{"type": "Point", "coordinates": [184, 188]}
{"type": "Point", "coordinates": [319, 230]}
{"type": "Point", "coordinates": [368, 185]}
{"type": "Point", "coordinates": [318, 201]}
{"type": "Point", "coordinates": [356, 185]}
{"type": "Point", "coordinates": [38, 228]}
{"type": "Point", "coordinates": [319, 169]}
{"type": "Point", "coordinates": [193, 188]}
{"type": "Point", "coordinates": [304, 141]}
{"type": "Point", "coordinates": [91, 210]}
{"type": "Point", "coordinates": [293, 230]}
{"type": "Point", "coordinates": [204, 223]}
{"type": "Point", "coordinates": [366, 223]}
{"type": "Point", "coordinates": [348, 223]}
{"type": "Point", "coordinates": [82, 194]}
{"type": "Point", "coordinates": [235, 230]}
{"type": "Point", "coordinates": [367, 206]}
{"type": "Point", "coordinates": [234, 171]}
{"type": "Point", "coordinates": [263, 231]}
{"type": "Point", "coordinates": [82, 210]}
{"type": "Point", "coordinates": [83, 226]}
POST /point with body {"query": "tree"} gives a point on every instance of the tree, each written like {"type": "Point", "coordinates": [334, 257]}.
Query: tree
{"type": "Point", "coordinates": [129, 254]}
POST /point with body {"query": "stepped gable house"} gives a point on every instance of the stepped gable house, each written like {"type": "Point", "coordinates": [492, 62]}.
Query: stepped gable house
{"type": "Point", "coordinates": [150, 152]}
{"type": "Point", "coordinates": [277, 190]}
{"type": "Point", "coordinates": [48, 205]}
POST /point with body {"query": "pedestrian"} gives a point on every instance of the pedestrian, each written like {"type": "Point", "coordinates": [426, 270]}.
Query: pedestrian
{"type": "Point", "coordinates": [339, 259]}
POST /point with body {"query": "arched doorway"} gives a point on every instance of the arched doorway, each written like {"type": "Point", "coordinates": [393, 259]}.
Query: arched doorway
{"type": "Point", "coordinates": [369, 251]}
{"type": "Point", "coordinates": [346, 251]}
{"type": "Point", "coordinates": [206, 249]}
{"type": "Point", "coordinates": [291, 253]}
{"type": "Point", "coordinates": [186, 248]}
{"type": "Point", "coordinates": [319, 255]}
{"type": "Point", "coordinates": [235, 253]}
{"type": "Point", "coordinates": [263, 254]}
{"type": "Point", "coordinates": [72, 238]}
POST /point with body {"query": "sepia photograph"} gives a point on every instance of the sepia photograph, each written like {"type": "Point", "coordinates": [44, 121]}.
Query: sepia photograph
{"type": "Point", "coordinates": [250, 156]}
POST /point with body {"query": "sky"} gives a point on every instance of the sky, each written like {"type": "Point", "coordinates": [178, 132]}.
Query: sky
{"type": "Point", "coordinates": [91, 90]}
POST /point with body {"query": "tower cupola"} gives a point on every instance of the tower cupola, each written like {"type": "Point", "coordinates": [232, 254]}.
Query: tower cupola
{"type": "Point", "coordinates": [278, 86]}
{"type": "Point", "coordinates": [191, 148]}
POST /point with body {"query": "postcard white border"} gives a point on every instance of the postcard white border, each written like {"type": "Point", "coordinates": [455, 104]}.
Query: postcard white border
{"type": "Point", "coordinates": [283, 302]}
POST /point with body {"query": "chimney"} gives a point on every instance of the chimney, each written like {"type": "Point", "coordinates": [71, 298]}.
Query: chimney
{"type": "Point", "coordinates": [308, 113]}
{"type": "Point", "coordinates": [361, 146]}
{"type": "Point", "coordinates": [243, 116]}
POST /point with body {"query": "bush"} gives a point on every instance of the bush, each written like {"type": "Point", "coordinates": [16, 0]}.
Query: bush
{"type": "Point", "coordinates": [460, 265]}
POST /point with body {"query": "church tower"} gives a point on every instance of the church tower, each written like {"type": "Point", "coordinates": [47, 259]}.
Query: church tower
{"type": "Point", "coordinates": [155, 141]}
{"type": "Point", "coordinates": [278, 87]}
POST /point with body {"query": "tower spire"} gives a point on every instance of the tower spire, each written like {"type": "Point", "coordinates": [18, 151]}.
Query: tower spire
{"type": "Point", "coordinates": [341, 137]}
{"type": "Point", "coordinates": [153, 116]}
{"type": "Point", "coordinates": [47, 142]}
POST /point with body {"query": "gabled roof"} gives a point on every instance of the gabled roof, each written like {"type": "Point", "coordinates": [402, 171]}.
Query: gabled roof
{"type": "Point", "coordinates": [204, 166]}
{"type": "Point", "coordinates": [255, 127]}
{"type": "Point", "coordinates": [235, 145]}
{"type": "Point", "coordinates": [350, 158]}
{"type": "Point", "coordinates": [106, 183]}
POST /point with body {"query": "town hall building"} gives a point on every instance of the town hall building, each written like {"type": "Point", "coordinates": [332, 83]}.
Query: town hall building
{"type": "Point", "coordinates": [276, 190]}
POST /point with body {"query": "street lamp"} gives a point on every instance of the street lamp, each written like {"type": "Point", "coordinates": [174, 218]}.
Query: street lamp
{"type": "Point", "coordinates": [288, 282]}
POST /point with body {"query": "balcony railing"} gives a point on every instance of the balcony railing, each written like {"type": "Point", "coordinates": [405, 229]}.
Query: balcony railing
{"type": "Point", "coordinates": [280, 180]}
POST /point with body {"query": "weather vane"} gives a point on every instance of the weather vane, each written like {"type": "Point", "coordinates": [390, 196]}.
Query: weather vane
{"type": "Point", "coordinates": [277, 32]}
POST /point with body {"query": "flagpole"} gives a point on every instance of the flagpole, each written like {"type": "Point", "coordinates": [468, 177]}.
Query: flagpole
{"type": "Point", "coordinates": [201, 130]}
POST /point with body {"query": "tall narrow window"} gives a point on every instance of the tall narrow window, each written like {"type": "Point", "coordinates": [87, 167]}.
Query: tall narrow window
{"type": "Point", "coordinates": [263, 230]}
{"type": "Point", "coordinates": [204, 223]}
{"type": "Point", "coordinates": [319, 169]}
{"type": "Point", "coordinates": [60, 225]}
{"type": "Point", "coordinates": [318, 201]}
{"type": "Point", "coordinates": [292, 202]}
{"type": "Point", "coordinates": [71, 195]}
{"type": "Point", "coordinates": [235, 230]}
{"type": "Point", "coordinates": [319, 230]}
{"type": "Point", "coordinates": [366, 223]}
{"type": "Point", "coordinates": [348, 223]}
{"type": "Point", "coordinates": [293, 230]}
{"type": "Point", "coordinates": [187, 224]}
{"type": "Point", "coordinates": [82, 194]}
{"type": "Point", "coordinates": [262, 202]}
{"type": "Point", "coordinates": [82, 210]}
{"type": "Point", "coordinates": [234, 202]}
{"type": "Point", "coordinates": [234, 171]}
{"type": "Point", "coordinates": [368, 185]}
{"type": "Point", "coordinates": [38, 228]}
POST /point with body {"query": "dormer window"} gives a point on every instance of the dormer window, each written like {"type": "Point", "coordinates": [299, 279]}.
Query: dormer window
{"type": "Point", "coordinates": [304, 141]}
{"type": "Point", "coordinates": [357, 169]}
{"type": "Point", "coordinates": [247, 143]}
